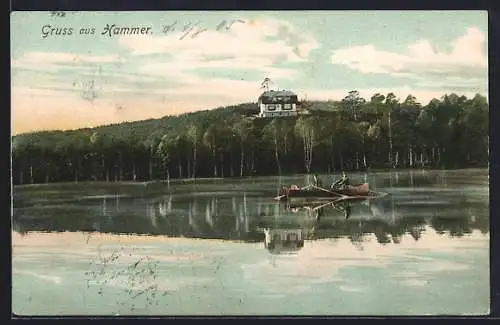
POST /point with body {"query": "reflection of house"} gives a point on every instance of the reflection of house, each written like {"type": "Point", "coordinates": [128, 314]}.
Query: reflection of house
{"type": "Point", "coordinates": [278, 103]}
{"type": "Point", "coordinates": [282, 241]}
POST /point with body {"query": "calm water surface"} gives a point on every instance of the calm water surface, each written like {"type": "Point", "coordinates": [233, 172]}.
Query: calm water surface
{"type": "Point", "coordinates": [215, 247]}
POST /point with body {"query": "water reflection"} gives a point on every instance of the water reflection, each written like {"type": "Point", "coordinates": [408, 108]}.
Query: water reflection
{"type": "Point", "coordinates": [407, 243]}
{"type": "Point", "coordinates": [279, 226]}
{"type": "Point", "coordinates": [280, 241]}
{"type": "Point", "coordinates": [451, 203]}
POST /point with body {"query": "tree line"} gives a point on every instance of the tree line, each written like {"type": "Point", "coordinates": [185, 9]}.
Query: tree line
{"type": "Point", "coordinates": [351, 134]}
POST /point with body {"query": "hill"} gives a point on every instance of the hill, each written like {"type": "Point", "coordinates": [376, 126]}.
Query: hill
{"type": "Point", "coordinates": [347, 135]}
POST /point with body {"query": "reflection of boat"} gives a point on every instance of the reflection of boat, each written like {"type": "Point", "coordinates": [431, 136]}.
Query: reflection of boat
{"type": "Point", "coordinates": [283, 241]}
{"type": "Point", "coordinates": [351, 192]}
{"type": "Point", "coordinates": [317, 209]}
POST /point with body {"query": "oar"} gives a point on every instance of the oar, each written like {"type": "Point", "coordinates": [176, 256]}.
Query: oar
{"type": "Point", "coordinates": [324, 205]}
{"type": "Point", "coordinates": [328, 191]}
{"type": "Point", "coordinates": [279, 197]}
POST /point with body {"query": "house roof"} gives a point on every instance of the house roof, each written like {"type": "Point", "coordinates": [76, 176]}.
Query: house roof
{"type": "Point", "coordinates": [277, 93]}
{"type": "Point", "coordinates": [272, 96]}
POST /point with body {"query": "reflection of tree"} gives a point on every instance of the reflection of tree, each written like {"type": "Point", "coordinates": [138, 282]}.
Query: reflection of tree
{"type": "Point", "coordinates": [396, 231]}
{"type": "Point", "coordinates": [356, 235]}
{"type": "Point", "coordinates": [381, 231]}
{"type": "Point", "coordinates": [456, 227]}
{"type": "Point", "coordinates": [20, 228]}
{"type": "Point", "coordinates": [234, 219]}
{"type": "Point", "coordinates": [387, 231]}
{"type": "Point", "coordinates": [482, 224]}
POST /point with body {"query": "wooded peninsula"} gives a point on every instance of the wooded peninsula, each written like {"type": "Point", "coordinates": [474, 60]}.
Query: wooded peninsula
{"type": "Point", "coordinates": [351, 134]}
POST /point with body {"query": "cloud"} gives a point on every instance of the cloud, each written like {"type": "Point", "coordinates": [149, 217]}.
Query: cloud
{"type": "Point", "coordinates": [321, 260]}
{"type": "Point", "coordinates": [162, 74]}
{"type": "Point", "coordinates": [153, 76]}
{"type": "Point", "coordinates": [465, 65]}
{"type": "Point", "coordinates": [248, 45]}
{"type": "Point", "coordinates": [47, 60]}
{"type": "Point", "coordinates": [262, 38]}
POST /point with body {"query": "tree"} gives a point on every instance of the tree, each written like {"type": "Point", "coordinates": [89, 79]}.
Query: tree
{"type": "Point", "coordinates": [374, 134]}
{"type": "Point", "coordinates": [274, 132]}
{"type": "Point", "coordinates": [305, 128]}
{"type": "Point", "coordinates": [193, 136]}
{"type": "Point", "coordinates": [329, 137]}
{"type": "Point", "coordinates": [449, 132]}
{"type": "Point", "coordinates": [411, 101]}
{"type": "Point", "coordinates": [353, 103]}
{"type": "Point", "coordinates": [362, 128]}
{"type": "Point", "coordinates": [377, 98]}
{"type": "Point", "coordinates": [210, 139]}
{"type": "Point", "coordinates": [242, 130]}
{"type": "Point", "coordinates": [391, 103]}
{"type": "Point", "coordinates": [165, 150]}
{"type": "Point", "coordinates": [151, 144]}
{"type": "Point", "coordinates": [23, 151]}
{"type": "Point", "coordinates": [376, 104]}
{"type": "Point", "coordinates": [99, 145]}
{"type": "Point", "coordinates": [265, 84]}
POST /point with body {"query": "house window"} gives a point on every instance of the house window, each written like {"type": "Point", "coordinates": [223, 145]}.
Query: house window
{"type": "Point", "coordinates": [271, 107]}
{"type": "Point", "coordinates": [287, 106]}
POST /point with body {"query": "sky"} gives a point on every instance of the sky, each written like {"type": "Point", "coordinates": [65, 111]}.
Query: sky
{"type": "Point", "coordinates": [61, 82]}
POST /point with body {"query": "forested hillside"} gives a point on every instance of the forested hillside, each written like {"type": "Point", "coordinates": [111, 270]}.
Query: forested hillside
{"type": "Point", "coordinates": [352, 134]}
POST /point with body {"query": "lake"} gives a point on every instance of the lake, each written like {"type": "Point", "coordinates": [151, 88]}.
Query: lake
{"type": "Point", "coordinates": [225, 247]}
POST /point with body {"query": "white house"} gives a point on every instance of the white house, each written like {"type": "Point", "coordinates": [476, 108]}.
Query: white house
{"type": "Point", "coordinates": [273, 103]}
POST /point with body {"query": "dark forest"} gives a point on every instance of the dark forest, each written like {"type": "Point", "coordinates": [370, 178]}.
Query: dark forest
{"type": "Point", "coordinates": [351, 134]}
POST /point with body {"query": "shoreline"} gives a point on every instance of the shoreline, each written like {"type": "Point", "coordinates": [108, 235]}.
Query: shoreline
{"type": "Point", "coordinates": [253, 177]}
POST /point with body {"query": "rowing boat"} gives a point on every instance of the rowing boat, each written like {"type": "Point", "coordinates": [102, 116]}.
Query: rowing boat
{"type": "Point", "coordinates": [316, 193]}
{"type": "Point", "coordinates": [313, 191]}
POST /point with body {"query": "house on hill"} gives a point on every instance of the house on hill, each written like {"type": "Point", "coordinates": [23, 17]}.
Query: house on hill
{"type": "Point", "coordinates": [275, 103]}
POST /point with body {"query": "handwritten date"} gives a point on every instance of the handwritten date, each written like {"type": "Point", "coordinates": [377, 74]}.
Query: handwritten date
{"type": "Point", "coordinates": [193, 30]}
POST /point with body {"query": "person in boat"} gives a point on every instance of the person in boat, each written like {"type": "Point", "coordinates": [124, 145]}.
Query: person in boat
{"type": "Point", "coordinates": [341, 183]}
{"type": "Point", "coordinates": [317, 181]}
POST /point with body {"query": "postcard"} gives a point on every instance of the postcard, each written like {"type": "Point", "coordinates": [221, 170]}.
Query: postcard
{"type": "Point", "coordinates": [250, 163]}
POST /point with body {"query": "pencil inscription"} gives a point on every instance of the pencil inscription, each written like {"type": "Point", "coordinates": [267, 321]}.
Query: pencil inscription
{"type": "Point", "coordinates": [194, 29]}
